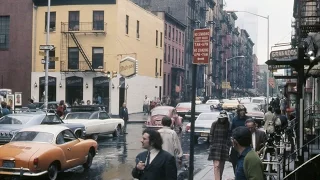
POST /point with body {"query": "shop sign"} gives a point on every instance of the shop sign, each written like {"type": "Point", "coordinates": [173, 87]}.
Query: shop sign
{"type": "Point", "coordinates": [128, 67]}
{"type": "Point", "coordinates": [100, 81]}
{"type": "Point", "coordinates": [51, 81]}
{"type": "Point", "coordinates": [74, 81]}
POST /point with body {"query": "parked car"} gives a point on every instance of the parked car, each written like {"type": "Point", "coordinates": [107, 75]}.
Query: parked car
{"type": "Point", "coordinates": [95, 122]}
{"type": "Point", "coordinates": [45, 150]}
{"type": "Point", "coordinates": [230, 104]}
{"type": "Point", "coordinates": [201, 108]}
{"type": "Point", "coordinates": [183, 108]}
{"type": "Point", "coordinates": [214, 102]}
{"type": "Point", "coordinates": [12, 123]}
{"type": "Point", "coordinates": [203, 124]}
{"type": "Point", "coordinates": [161, 111]}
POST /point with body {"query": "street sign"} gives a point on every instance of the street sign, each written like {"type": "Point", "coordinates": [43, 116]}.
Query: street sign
{"type": "Point", "coordinates": [225, 85]}
{"type": "Point", "coordinates": [201, 46]}
{"type": "Point", "coordinates": [284, 55]}
{"type": "Point", "coordinates": [276, 67]}
{"type": "Point", "coordinates": [47, 47]}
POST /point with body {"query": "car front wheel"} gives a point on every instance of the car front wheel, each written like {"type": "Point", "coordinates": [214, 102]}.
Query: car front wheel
{"type": "Point", "coordinates": [53, 171]}
{"type": "Point", "coordinates": [88, 163]}
{"type": "Point", "coordinates": [116, 132]}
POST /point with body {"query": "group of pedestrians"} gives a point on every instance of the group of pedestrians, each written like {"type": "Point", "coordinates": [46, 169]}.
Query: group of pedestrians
{"type": "Point", "coordinates": [5, 109]}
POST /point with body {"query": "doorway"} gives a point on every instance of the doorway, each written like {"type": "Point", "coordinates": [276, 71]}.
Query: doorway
{"type": "Point", "coordinates": [74, 89]}
{"type": "Point", "coordinates": [122, 91]}
{"type": "Point", "coordinates": [52, 90]}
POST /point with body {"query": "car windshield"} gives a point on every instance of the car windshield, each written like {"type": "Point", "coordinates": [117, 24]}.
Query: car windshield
{"type": "Point", "coordinates": [203, 108]}
{"type": "Point", "coordinates": [78, 115]}
{"type": "Point", "coordinates": [184, 105]}
{"type": "Point", "coordinates": [160, 112]}
{"type": "Point", "coordinates": [259, 101]}
{"type": "Point", "coordinates": [232, 101]}
{"type": "Point", "coordinates": [211, 116]}
{"type": "Point", "coordinates": [33, 136]}
{"type": "Point", "coordinates": [251, 108]}
{"type": "Point", "coordinates": [16, 119]}
{"type": "Point", "coordinates": [51, 119]}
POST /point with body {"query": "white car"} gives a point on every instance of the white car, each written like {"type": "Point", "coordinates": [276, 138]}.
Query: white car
{"type": "Point", "coordinates": [214, 102]}
{"type": "Point", "coordinates": [96, 123]}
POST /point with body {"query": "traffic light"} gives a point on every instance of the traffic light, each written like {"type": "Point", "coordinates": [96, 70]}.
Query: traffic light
{"type": "Point", "coordinates": [114, 74]}
{"type": "Point", "coordinates": [108, 75]}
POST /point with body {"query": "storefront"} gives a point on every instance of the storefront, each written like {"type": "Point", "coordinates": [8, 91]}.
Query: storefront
{"type": "Point", "coordinates": [52, 91]}
{"type": "Point", "coordinates": [100, 92]}
{"type": "Point", "coordinates": [74, 89]}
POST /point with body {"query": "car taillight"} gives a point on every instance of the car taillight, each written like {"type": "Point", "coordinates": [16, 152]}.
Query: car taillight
{"type": "Point", "coordinates": [36, 162]}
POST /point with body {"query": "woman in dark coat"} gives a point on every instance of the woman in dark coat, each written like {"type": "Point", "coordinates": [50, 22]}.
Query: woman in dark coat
{"type": "Point", "coordinates": [220, 143]}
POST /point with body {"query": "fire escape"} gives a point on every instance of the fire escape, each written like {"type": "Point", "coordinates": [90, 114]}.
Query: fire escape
{"type": "Point", "coordinates": [70, 60]}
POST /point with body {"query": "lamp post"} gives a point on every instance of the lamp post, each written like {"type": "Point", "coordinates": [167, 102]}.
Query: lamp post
{"type": "Point", "coordinates": [47, 58]}
{"type": "Point", "coordinates": [227, 71]}
{"type": "Point", "coordinates": [268, 44]}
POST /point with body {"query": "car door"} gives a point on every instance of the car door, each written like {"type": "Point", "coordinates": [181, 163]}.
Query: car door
{"type": "Point", "coordinates": [94, 124]}
{"type": "Point", "coordinates": [69, 144]}
{"type": "Point", "coordinates": [108, 124]}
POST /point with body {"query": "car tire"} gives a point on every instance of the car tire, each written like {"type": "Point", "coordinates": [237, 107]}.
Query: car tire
{"type": "Point", "coordinates": [88, 163]}
{"type": "Point", "coordinates": [78, 134]}
{"type": "Point", "coordinates": [95, 137]}
{"type": "Point", "coordinates": [116, 132]}
{"type": "Point", "coordinates": [53, 171]}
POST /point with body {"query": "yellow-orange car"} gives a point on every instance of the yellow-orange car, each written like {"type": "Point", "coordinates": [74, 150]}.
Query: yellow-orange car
{"type": "Point", "coordinates": [230, 104]}
{"type": "Point", "coordinates": [45, 150]}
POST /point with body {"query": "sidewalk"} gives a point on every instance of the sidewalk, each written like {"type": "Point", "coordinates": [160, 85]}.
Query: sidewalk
{"type": "Point", "coordinates": [207, 173]}
{"type": "Point", "coordinates": [137, 118]}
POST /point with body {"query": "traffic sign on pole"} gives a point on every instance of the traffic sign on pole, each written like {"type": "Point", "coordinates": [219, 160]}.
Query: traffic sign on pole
{"type": "Point", "coordinates": [47, 47]}
{"type": "Point", "coordinates": [201, 46]}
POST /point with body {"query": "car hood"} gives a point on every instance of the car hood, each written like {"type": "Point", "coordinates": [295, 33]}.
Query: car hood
{"type": "Point", "coordinates": [11, 127]}
{"type": "Point", "coordinates": [20, 150]}
{"type": "Point", "coordinates": [204, 123]}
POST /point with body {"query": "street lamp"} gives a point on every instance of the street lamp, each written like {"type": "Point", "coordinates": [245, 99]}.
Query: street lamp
{"type": "Point", "coordinates": [227, 71]}
{"type": "Point", "coordinates": [268, 41]}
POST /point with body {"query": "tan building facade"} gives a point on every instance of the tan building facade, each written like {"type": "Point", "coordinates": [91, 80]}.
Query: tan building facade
{"type": "Point", "coordinates": [91, 39]}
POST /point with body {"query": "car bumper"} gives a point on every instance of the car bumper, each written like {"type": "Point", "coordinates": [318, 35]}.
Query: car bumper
{"type": "Point", "coordinates": [20, 172]}
{"type": "Point", "coordinates": [202, 133]}
{"type": "Point", "coordinates": [4, 141]}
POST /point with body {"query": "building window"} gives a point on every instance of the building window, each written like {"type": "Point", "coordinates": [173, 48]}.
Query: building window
{"type": "Point", "coordinates": [164, 84]}
{"type": "Point", "coordinates": [97, 57]}
{"type": "Point", "coordinates": [176, 35]}
{"type": "Point", "coordinates": [156, 37]}
{"type": "Point", "coordinates": [179, 37]}
{"type": "Point", "coordinates": [52, 25]}
{"type": "Point", "coordinates": [172, 34]}
{"type": "Point", "coordinates": [168, 84]}
{"type": "Point", "coordinates": [169, 54]}
{"type": "Point", "coordinates": [52, 62]}
{"type": "Point", "coordinates": [172, 55]}
{"type": "Point", "coordinates": [4, 32]}
{"type": "Point", "coordinates": [74, 17]}
{"type": "Point", "coordinates": [138, 29]}
{"type": "Point", "coordinates": [176, 56]}
{"type": "Point", "coordinates": [169, 32]}
{"type": "Point", "coordinates": [160, 67]}
{"type": "Point", "coordinates": [127, 24]}
{"type": "Point", "coordinates": [73, 58]}
{"type": "Point", "coordinates": [165, 53]}
{"type": "Point", "coordinates": [160, 39]}
{"type": "Point", "coordinates": [165, 30]}
{"type": "Point", "coordinates": [98, 20]}
{"type": "Point", "coordinates": [182, 57]}
{"type": "Point", "coordinates": [182, 39]}
{"type": "Point", "coordinates": [156, 68]}
{"type": "Point", "coordinates": [179, 56]}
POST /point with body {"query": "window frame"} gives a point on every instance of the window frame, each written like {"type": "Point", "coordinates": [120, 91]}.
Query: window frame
{"type": "Point", "coordinates": [95, 57]}
{"type": "Point", "coordinates": [138, 29]}
{"type": "Point", "coordinates": [98, 20]}
{"type": "Point", "coordinates": [74, 23]}
{"type": "Point", "coordinates": [127, 24]}
{"type": "Point", "coordinates": [53, 19]}
{"type": "Point", "coordinates": [70, 65]}
{"type": "Point", "coordinates": [4, 32]}
{"type": "Point", "coordinates": [52, 63]}
{"type": "Point", "coordinates": [157, 34]}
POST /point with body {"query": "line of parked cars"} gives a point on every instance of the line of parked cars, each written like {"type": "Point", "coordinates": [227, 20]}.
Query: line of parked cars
{"type": "Point", "coordinates": [40, 143]}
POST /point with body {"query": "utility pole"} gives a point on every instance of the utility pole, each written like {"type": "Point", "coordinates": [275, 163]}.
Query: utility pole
{"type": "Point", "coordinates": [47, 58]}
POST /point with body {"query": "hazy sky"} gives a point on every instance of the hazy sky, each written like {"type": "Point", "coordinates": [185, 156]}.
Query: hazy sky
{"type": "Point", "coordinates": [280, 12]}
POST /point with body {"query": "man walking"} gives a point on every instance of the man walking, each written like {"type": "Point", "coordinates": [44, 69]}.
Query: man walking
{"type": "Point", "coordinates": [268, 118]}
{"type": "Point", "coordinates": [249, 166]}
{"type": "Point", "coordinates": [171, 142]}
{"type": "Point", "coordinates": [125, 116]}
{"type": "Point", "coordinates": [146, 105]}
{"type": "Point", "coordinates": [259, 137]}
{"type": "Point", "coordinates": [155, 163]}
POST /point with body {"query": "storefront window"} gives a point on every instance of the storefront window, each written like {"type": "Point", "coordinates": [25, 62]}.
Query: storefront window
{"type": "Point", "coordinates": [100, 91]}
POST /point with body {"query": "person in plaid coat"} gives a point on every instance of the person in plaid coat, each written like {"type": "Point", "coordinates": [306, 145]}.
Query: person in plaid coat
{"type": "Point", "coordinates": [220, 143]}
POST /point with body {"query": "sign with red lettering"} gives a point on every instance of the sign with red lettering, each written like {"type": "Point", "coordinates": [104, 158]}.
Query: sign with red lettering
{"type": "Point", "coordinates": [201, 46]}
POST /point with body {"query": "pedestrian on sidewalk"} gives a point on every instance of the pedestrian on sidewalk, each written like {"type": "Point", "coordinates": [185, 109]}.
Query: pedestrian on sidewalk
{"type": "Point", "coordinates": [125, 116]}
{"type": "Point", "coordinates": [171, 142]}
{"type": "Point", "coordinates": [220, 143]}
{"type": "Point", "coordinates": [155, 163]}
{"type": "Point", "coordinates": [238, 121]}
{"type": "Point", "coordinates": [146, 105]}
{"type": "Point", "coordinates": [249, 165]}
{"type": "Point", "coordinates": [259, 138]}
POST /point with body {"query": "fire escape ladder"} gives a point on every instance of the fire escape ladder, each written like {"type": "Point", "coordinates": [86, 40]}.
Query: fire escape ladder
{"type": "Point", "coordinates": [85, 57]}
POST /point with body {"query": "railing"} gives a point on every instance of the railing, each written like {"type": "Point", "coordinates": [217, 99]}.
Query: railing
{"type": "Point", "coordinates": [84, 27]}
{"type": "Point", "coordinates": [80, 66]}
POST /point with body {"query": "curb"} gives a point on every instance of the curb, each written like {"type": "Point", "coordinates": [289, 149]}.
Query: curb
{"type": "Point", "coordinates": [135, 122]}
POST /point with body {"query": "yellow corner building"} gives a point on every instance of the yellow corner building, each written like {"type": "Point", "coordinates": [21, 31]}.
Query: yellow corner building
{"type": "Point", "coordinates": [98, 44]}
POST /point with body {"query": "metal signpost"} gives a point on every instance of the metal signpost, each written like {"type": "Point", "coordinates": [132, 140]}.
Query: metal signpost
{"type": "Point", "coordinates": [201, 54]}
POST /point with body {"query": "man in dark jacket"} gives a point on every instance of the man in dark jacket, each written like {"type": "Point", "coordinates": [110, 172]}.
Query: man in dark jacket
{"type": "Point", "coordinates": [155, 163]}
{"type": "Point", "coordinates": [124, 115]}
